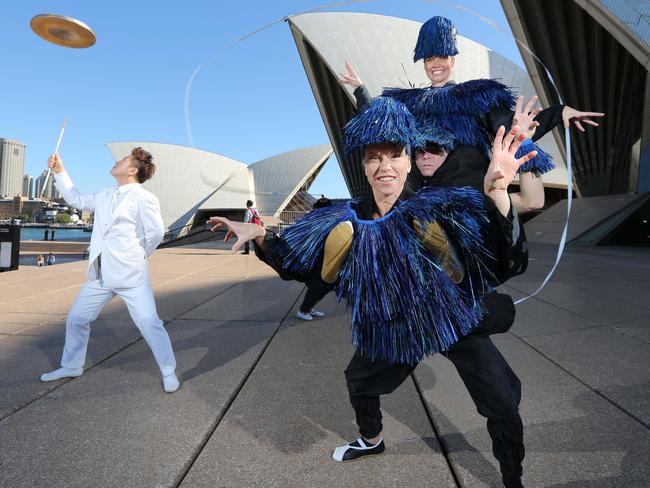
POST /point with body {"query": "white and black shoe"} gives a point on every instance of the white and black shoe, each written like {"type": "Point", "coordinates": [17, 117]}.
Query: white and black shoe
{"type": "Point", "coordinates": [304, 316]}
{"type": "Point", "coordinates": [355, 450]}
{"type": "Point", "coordinates": [316, 313]}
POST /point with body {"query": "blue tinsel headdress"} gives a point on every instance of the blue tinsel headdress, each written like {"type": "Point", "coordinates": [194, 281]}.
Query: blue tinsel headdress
{"type": "Point", "coordinates": [403, 304]}
{"type": "Point", "coordinates": [437, 37]}
{"type": "Point", "coordinates": [383, 120]}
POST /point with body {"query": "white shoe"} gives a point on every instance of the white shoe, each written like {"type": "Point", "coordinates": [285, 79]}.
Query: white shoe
{"type": "Point", "coordinates": [304, 316]}
{"type": "Point", "coordinates": [170, 383]}
{"type": "Point", "coordinates": [316, 313]}
{"type": "Point", "coordinates": [356, 449]}
{"type": "Point", "coordinates": [59, 374]}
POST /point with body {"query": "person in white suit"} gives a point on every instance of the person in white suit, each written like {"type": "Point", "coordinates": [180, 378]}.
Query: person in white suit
{"type": "Point", "coordinates": [127, 229]}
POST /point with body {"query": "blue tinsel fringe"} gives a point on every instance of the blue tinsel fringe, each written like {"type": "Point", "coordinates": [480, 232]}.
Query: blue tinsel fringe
{"type": "Point", "coordinates": [403, 304]}
{"type": "Point", "coordinates": [540, 164]}
{"type": "Point", "coordinates": [457, 108]}
{"type": "Point", "coordinates": [436, 133]}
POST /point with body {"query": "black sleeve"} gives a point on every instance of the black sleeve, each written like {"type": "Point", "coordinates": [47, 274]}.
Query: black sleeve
{"type": "Point", "coordinates": [363, 97]}
{"type": "Point", "coordinates": [273, 252]}
{"type": "Point", "coordinates": [507, 242]}
{"type": "Point", "coordinates": [548, 119]}
{"type": "Point", "coordinates": [497, 118]}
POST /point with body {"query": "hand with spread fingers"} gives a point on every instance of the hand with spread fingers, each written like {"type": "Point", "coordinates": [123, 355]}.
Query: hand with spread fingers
{"type": "Point", "coordinates": [524, 118]}
{"type": "Point", "coordinates": [351, 78]}
{"type": "Point", "coordinates": [504, 166]}
{"type": "Point", "coordinates": [578, 118]}
{"type": "Point", "coordinates": [244, 232]}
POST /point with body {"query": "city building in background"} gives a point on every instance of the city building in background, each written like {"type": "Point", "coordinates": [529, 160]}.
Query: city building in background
{"type": "Point", "coordinates": [28, 186]}
{"type": "Point", "coordinates": [12, 167]}
{"type": "Point", "coordinates": [49, 192]}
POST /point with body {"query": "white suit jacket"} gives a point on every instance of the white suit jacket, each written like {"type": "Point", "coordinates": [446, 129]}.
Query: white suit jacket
{"type": "Point", "coordinates": [124, 238]}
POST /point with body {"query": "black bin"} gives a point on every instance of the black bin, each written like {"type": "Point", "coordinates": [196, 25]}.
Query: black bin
{"type": "Point", "coordinates": [9, 247]}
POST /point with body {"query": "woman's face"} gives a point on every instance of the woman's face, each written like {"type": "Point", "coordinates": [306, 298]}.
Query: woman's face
{"type": "Point", "coordinates": [386, 166]}
{"type": "Point", "coordinates": [438, 69]}
{"type": "Point", "coordinates": [428, 160]}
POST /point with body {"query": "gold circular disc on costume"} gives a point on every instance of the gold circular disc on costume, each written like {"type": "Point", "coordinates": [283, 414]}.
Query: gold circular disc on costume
{"type": "Point", "coordinates": [337, 247]}
{"type": "Point", "coordinates": [62, 30]}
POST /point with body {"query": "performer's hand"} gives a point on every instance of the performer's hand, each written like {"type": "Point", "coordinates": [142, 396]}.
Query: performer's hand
{"type": "Point", "coordinates": [351, 78]}
{"type": "Point", "coordinates": [243, 231]}
{"type": "Point", "coordinates": [524, 117]}
{"type": "Point", "coordinates": [570, 114]}
{"type": "Point", "coordinates": [55, 163]}
{"type": "Point", "coordinates": [504, 164]}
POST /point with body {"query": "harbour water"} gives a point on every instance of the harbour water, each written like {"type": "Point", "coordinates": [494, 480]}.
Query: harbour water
{"type": "Point", "coordinates": [60, 234]}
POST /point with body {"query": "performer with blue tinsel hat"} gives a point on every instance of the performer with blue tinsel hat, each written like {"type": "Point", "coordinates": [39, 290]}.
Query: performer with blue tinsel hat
{"type": "Point", "coordinates": [409, 266]}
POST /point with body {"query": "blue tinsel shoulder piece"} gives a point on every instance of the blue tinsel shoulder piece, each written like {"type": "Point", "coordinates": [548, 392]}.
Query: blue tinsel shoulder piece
{"type": "Point", "coordinates": [458, 108]}
{"type": "Point", "coordinates": [403, 305]}
{"type": "Point", "coordinates": [474, 97]}
{"type": "Point", "coordinates": [540, 164]}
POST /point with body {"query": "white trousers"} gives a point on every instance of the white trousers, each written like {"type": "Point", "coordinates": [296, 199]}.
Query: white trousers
{"type": "Point", "coordinates": [92, 298]}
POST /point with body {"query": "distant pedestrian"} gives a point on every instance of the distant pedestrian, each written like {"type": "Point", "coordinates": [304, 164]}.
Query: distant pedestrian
{"type": "Point", "coordinates": [46, 236]}
{"type": "Point", "coordinates": [40, 260]}
{"type": "Point", "coordinates": [251, 216]}
{"type": "Point", "coordinates": [323, 201]}
{"type": "Point", "coordinates": [51, 259]}
{"type": "Point", "coordinates": [52, 238]}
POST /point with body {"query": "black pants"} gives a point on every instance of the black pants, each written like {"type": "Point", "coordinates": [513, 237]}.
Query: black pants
{"type": "Point", "coordinates": [493, 386]}
{"type": "Point", "coordinates": [316, 291]}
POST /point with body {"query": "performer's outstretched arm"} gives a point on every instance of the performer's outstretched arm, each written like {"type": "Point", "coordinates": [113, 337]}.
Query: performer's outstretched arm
{"type": "Point", "coordinates": [268, 245]}
{"type": "Point", "coordinates": [65, 185]}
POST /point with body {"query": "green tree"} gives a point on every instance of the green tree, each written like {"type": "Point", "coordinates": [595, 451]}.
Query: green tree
{"type": "Point", "coordinates": [62, 218]}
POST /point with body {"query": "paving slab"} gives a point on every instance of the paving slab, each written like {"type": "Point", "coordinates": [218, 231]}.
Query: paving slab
{"type": "Point", "coordinates": [257, 298]}
{"type": "Point", "coordinates": [12, 323]}
{"type": "Point", "coordinates": [616, 365]}
{"type": "Point", "coordinates": [24, 357]}
{"type": "Point", "coordinates": [115, 426]}
{"type": "Point", "coordinates": [293, 410]}
{"type": "Point", "coordinates": [536, 317]}
{"type": "Point", "coordinates": [574, 438]}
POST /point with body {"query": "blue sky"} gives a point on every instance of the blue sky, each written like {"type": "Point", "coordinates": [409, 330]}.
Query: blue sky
{"type": "Point", "coordinates": [251, 102]}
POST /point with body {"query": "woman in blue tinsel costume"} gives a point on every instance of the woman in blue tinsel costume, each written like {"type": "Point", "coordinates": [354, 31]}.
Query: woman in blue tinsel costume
{"type": "Point", "coordinates": [409, 266]}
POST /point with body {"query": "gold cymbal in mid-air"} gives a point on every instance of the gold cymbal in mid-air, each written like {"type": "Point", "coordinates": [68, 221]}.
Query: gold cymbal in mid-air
{"type": "Point", "coordinates": [62, 30]}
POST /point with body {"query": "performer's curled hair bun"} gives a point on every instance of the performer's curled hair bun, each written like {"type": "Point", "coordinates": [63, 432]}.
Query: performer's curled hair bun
{"type": "Point", "coordinates": [143, 161]}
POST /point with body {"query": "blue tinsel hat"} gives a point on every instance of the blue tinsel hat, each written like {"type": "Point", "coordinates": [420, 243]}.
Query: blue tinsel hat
{"type": "Point", "coordinates": [437, 37]}
{"type": "Point", "coordinates": [432, 132]}
{"type": "Point", "coordinates": [384, 120]}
